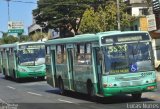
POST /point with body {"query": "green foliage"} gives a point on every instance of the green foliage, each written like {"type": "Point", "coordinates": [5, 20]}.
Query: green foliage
{"type": "Point", "coordinates": [9, 39]}
{"type": "Point", "coordinates": [89, 21]}
{"type": "Point", "coordinates": [23, 38]}
{"type": "Point", "coordinates": [62, 14]}
{"type": "Point", "coordinates": [104, 18]}
{"type": "Point", "coordinates": [57, 13]}
{"type": "Point", "coordinates": [98, 15]}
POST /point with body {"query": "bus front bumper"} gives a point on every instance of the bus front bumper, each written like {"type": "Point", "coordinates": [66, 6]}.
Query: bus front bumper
{"type": "Point", "coordinates": [110, 91]}
{"type": "Point", "coordinates": [30, 74]}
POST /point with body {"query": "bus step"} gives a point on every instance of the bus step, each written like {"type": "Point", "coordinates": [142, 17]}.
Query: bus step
{"type": "Point", "coordinates": [99, 95]}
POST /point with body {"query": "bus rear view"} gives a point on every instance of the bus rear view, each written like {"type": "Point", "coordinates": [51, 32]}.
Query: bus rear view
{"type": "Point", "coordinates": [128, 65]}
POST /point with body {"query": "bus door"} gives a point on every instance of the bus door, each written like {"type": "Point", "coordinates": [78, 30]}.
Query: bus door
{"type": "Point", "coordinates": [53, 66]}
{"type": "Point", "coordinates": [7, 68]}
{"type": "Point", "coordinates": [1, 63]}
{"type": "Point", "coordinates": [49, 62]}
{"type": "Point", "coordinates": [70, 67]}
{"type": "Point", "coordinates": [98, 65]}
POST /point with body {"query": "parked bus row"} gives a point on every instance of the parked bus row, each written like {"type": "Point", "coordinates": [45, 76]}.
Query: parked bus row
{"type": "Point", "coordinates": [102, 64]}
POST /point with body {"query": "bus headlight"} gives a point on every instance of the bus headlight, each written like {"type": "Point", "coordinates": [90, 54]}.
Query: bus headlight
{"type": "Point", "coordinates": [21, 70]}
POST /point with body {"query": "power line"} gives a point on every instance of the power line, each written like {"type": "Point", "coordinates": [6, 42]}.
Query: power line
{"type": "Point", "coordinates": [23, 1]}
{"type": "Point", "coordinates": [20, 1]}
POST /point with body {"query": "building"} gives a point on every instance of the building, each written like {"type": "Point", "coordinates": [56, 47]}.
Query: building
{"type": "Point", "coordinates": [34, 27]}
{"type": "Point", "coordinates": [139, 7]}
{"type": "Point", "coordinates": [156, 11]}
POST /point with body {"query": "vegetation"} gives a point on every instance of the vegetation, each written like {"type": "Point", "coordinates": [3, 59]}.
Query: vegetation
{"type": "Point", "coordinates": [7, 39]}
{"type": "Point", "coordinates": [38, 36]}
{"type": "Point", "coordinates": [104, 18]}
{"type": "Point", "coordinates": [75, 17]}
{"type": "Point", "coordinates": [89, 15]}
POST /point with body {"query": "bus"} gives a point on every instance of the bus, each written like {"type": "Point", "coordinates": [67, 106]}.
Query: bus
{"type": "Point", "coordinates": [23, 60]}
{"type": "Point", "coordinates": [102, 64]}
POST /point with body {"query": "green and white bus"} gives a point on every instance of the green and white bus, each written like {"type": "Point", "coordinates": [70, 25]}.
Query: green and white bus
{"type": "Point", "coordinates": [23, 60]}
{"type": "Point", "coordinates": [102, 64]}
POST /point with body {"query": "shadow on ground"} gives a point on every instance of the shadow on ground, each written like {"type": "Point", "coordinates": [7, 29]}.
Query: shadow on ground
{"type": "Point", "coordinates": [107, 100]}
{"type": "Point", "coordinates": [24, 80]}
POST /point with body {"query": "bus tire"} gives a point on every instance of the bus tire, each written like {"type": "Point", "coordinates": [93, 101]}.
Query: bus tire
{"type": "Point", "coordinates": [56, 81]}
{"type": "Point", "coordinates": [42, 78]}
{"type": "Point", "coordinates": [14, 75]}
{"type": "Point", "coordinates": [61, 86]}
{"type": "Point", "coordinates": [4, 72]}
{"type": "Point", "coordinates": [136, 96]}
{"type": "Point", "coordinates": [90, 88]}
{"type": "Point", "coordinates": [15, 78]}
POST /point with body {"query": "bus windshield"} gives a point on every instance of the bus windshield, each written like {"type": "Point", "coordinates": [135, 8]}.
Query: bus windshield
{"type": "Point", "coordinates": [31, 56]}
{"type": "Point", "coordinates": [125, 58]}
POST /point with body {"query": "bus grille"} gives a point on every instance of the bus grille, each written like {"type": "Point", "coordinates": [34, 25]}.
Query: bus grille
{"type": "Point", "coordinates": [136, 83]}
{"type": "Point", "coordinates": [131, 83]}
{"type": "Point", "coordinates": [34, 68]}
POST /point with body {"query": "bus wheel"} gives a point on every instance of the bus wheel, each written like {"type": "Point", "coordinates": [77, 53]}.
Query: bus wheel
{"type": "Point", "coordinates": [15, 78]}
{"type": "Point", "coordinates": [89, 88]}
{"type": "Point", "coordinates": [14, 75]}
{"type": "Point", "coordinates": [61, 86]}
{"type": "Point", "coordinates": [42, 78]}
{"type": "Point", "coordinates": [137, 96]}
{"type": "Point", "coordinates": [4, 72]}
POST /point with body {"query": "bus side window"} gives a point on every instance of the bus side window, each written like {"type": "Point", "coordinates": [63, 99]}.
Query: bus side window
{"type": "Point", "coordinates": [83, 54]}
{"type": "Point", "coordinates": [47, 59]}
{"type": "Point", "coordinates": [61, 54]}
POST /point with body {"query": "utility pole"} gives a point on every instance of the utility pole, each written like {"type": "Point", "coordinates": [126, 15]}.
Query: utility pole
{"type": "Point", "coordinates": [8, 10]}
{"type": "Point", "coordinates": [118, 16]}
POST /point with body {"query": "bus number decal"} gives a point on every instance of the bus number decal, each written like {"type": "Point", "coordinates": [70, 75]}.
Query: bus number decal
{"type": "Point", "coordinates": [117, 48]}
{"type": "Point", "coordinates": [146, 74]}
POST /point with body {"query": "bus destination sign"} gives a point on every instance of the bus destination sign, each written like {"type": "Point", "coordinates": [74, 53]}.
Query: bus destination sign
{"type": "Point", "coordinates": [124, 38]}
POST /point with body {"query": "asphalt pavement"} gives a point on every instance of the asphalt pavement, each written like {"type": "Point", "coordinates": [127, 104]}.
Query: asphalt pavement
{"type": "Point", "coordinates": [35, 94]}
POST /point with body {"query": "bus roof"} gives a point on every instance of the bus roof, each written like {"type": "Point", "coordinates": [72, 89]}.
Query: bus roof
{"type": "Point", "coordinates": [18, 43]}
{"type": "Point", "coordinates": [76, 38]}
{"type": "Point", "coordinates": [89, 37]}
{"type": "Point", "coordinates": [27, 43]}
{"type": "Point", "coordinates": [8, 45]}
{"type": "Point", "coordinates": [118, 32]}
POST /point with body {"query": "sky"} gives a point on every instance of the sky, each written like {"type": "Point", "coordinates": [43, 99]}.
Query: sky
{"type": "Point", "coordinates": [18, 12]}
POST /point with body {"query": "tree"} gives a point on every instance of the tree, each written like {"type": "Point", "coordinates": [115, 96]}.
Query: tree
{"type": "Point", "coordinates": [63, 14]}
{"type": "Point", "coordinates": [9, 39]}
{"type": "Point", "coordinates": [105, 18]}
{"type": "Point", "coordinates": [89, 23]}
{"type": "Point", "coordinates": [23, 38]}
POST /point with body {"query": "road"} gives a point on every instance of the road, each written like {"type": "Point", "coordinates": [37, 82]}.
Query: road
{"type": "Point", "coordinates": [34, 94]}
